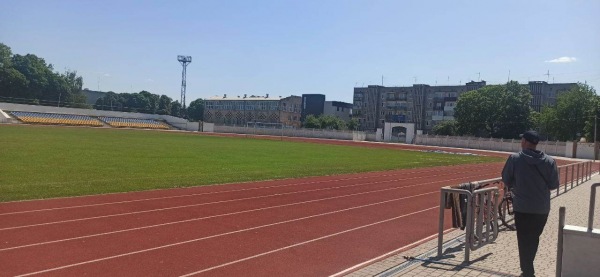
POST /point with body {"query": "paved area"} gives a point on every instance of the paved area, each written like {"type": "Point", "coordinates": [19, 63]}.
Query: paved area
{"type": "Point", "coordinates": [497, 259]}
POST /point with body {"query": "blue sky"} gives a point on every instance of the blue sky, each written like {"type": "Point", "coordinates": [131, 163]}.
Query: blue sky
{"type": "Point", "coordinates": [293, 47]}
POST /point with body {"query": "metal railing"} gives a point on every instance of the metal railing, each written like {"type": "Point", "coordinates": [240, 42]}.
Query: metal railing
{"type": "Point", "coordinates": [481, 219]}
{"type": "Point", "coordinates": [579, 173]}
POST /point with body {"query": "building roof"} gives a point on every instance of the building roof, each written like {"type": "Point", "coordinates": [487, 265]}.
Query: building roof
{"type": "Point", "coordinates": [246, 98]}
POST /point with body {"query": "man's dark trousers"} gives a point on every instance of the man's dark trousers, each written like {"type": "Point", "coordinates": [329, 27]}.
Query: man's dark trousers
{"type": "Point", "coordinates": [529, 228]}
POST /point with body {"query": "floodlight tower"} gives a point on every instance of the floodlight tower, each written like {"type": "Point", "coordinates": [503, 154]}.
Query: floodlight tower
{"type": "Point", "coordinates": [184, 60]}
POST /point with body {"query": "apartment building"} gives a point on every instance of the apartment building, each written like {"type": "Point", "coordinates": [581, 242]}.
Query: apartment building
{"type": "Point", "coordinates": [253, 109]}
{"type": "Point", "coordinates": [426, 105]}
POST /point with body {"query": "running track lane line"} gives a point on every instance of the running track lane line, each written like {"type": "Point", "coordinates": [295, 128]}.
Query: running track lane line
{"type": "Point", "coordinates": [225, 201]}
{"type": "Point", "coordinates": [233, 232]}
{"type": "Point", "coordinates": [221, 192]}
{"type": "Point", "coordinates": [354, 268]}
{"type": "Point", "coordinates": [223, 215]}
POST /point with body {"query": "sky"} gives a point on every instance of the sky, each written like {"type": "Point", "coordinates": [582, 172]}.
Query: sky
{"type": "Point", "coordinates": [282, 47]}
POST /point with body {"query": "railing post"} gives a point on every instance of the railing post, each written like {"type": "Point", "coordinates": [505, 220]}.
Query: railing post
{"type": "Point", "coordinates": [441, 222]}
{"type": "Point", "coordinates": [592, 208]}
{"type": "Point", "coordinates": [577, 180]}
{"type": "Point", "coordinates": [469, 228]}
{"type": "Point", "coordinates": [566, 177]}
{"type": "Point", "coordinates": [572, 174]}
{"type": "Point", "coordinates": [559, 247]}
{"type": "Point", "coordinates": [558, 189]}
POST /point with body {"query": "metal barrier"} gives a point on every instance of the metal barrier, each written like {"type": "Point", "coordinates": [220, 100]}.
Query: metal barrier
{"type": "Point", "coordinates": [580, 172]}
{"type": "Point", "coordinates": [584, 244]}
{"type": "Point", "coordinates": [482, 217]}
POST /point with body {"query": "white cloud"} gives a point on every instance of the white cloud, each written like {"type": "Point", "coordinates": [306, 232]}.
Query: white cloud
{"type": "Point", "coordinates": [563, 60]}
{"type": "Point", "coordinates": [149, 80]}
{"type": "Point", "coordinates": [106, 75]}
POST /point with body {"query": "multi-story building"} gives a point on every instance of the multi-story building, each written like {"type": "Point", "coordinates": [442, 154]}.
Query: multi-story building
{"type": "Point", "coordinates": [545, 94]}
{"type": "Point", "coordinates": [315, 104]}
{"type": "Point", "coordinates": [253, 109]}
{"type": "Point", "coordinates": [426, 105]}
{"type": "Point", "coordinates": [342, 110]}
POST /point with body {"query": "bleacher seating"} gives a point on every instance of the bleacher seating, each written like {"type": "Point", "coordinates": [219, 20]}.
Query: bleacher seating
{"type": "Point", "coordinates": [133, 123]}
{"type": "Point", "coordinates": [51, 118]}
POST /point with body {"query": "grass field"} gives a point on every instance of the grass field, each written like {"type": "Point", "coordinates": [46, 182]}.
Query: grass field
{"type": "Point", "coordinates": [42, 162]}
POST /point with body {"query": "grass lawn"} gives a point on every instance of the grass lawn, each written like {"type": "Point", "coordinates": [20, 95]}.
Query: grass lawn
{"type": "Point", "coordinates": [42, 161]}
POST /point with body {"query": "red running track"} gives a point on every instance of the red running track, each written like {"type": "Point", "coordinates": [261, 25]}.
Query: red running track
{"type": "Point", "coordinates": [314, 226]}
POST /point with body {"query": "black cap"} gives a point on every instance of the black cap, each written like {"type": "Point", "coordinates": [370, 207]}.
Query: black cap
{"type": "Point", "coordinates": [531, 136]}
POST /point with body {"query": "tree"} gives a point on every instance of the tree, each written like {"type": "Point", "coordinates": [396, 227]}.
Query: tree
{"type": "Point", "coordinates": [13, 84]}
{"type": "Point", "coordinates": [500, 111]}
{"type": "Point", "coordinates": [176, 109]}
{"type": "Point", "coordinates": [573, 111]}
{"type": "Point", "coordinates": [5, 55]}
{"type": "Point", "coordinates": [164, 105]}
{"type": "Point", "coordinates": [593, 117]}
{"type": "Point", "coordinates": [353, 124]}
{"type": "Point", "coordinates": [445, 128]}
{"type": "Point", "coordinates": [29, 79]}
{"type": "Point", "coordinates": [196, 110]}
{"type": "Point", "coordinates": [312, 121]}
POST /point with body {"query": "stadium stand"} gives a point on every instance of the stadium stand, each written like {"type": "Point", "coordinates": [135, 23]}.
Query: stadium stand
{"type": "Point", "coordinates": [133, 123]}
{"type": "Point", "coordinates": [61, 119]}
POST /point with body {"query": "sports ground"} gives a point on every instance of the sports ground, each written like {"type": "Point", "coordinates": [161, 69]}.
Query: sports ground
{"type": "Point", "coordinates": [157, 204]}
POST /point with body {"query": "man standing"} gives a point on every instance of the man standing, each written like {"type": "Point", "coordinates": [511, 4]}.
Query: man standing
{"type": "Point", "coordinates": [530, 175]}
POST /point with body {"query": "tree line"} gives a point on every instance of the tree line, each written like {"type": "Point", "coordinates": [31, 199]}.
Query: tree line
{"type": "Point", "coordinates": [28, 79]}
{"type": "Point", "coordinates": [146, 102]}
{"type": "Point", "coordinates": [329, 122]}
{"type": "Point", "coordinates": [504, 111]}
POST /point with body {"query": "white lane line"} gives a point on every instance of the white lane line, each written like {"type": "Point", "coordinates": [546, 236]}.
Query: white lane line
{"type": "Point", "coordinates": [204, 218]}
{"type": "Point", "coordinates": [240, 231]}
{"type": "Point", "coordinates": [216, 192]}
{"type": "Point", "coordinates": [210, 203]}
{"type": "Point", "coordinates": [403, 248]}
{"type": "Point", "coordinates": [305, 242]}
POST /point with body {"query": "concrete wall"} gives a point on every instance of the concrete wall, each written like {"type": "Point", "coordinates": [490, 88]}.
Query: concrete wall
{"type": "Point", "coordinates": [208, 127]}
{"type": "Point", "coordinates": [554, 148]}
{"type": "Point", "coordinates": [359, 136]}
{"type": "Point", "coordinates": [306, 133]}
{"type": "Point", "coordinates": [4, 118]}
{"type": "Point", "coordinates": [585, 150]}
{"type": "Point", "coordinates": [175, 121]}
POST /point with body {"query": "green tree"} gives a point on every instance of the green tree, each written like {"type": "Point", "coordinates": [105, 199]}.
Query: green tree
{"type": "Point", "coordinates": [312, 122]}
{"type": "Point", "coordinates": [500, 111]}
{"type": "Point", "coordinates": [574, 109]}
{"type": "Point", "coordinates": [353, 124]}
{"type": "Point", "coordinates": [176, 109]}
{"type": "Point", "coordinates": [29, 79]}
{"type": "Point", "coordinates": [591, 126]}
{"type": "Point", "coordinates": [13, 84]}
{"type": "Point", "coordinates": [445, 128]}
{"type": "Point", "coordinates": [196, 110]}
{"type": "Point", "coordinates": [5, 55]}
{"type": "Point", "coordinates": [164, 105]}
{"type": "Point", "coordinates": [547, 122]}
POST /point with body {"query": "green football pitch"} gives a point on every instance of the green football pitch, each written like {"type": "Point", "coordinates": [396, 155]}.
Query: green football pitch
{"type": "Point", "coordinates": [46, 161]}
